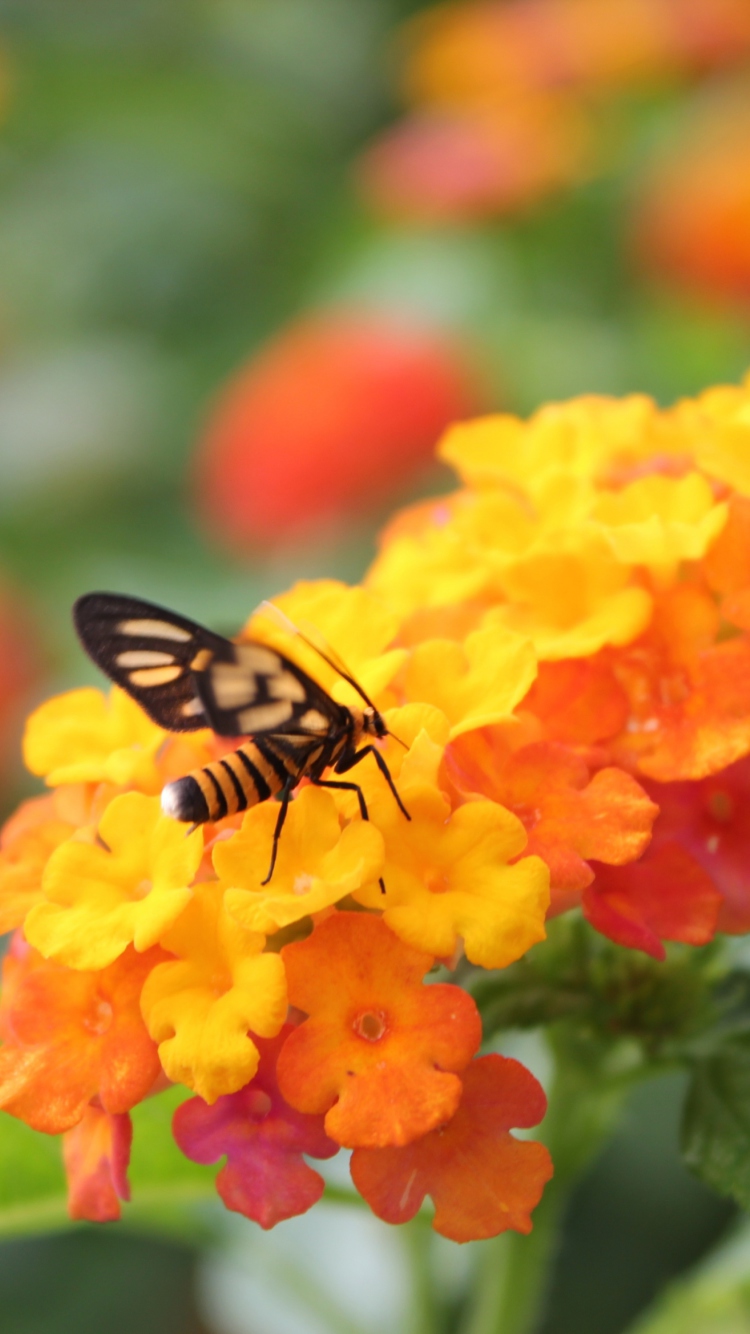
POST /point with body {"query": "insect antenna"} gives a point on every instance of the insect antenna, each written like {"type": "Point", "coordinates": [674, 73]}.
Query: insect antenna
{"type": "Point", "coordinates": [398, 738]}
{"type": "Point", "coordinates": [327, 653]}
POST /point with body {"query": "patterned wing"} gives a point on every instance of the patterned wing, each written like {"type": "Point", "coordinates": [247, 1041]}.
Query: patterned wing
{"type": "Point", "coordinates": [248, 689]}
{"type": "Point", "coordinates": [147, 651]}
{"type": "Point", "coordinates": [186, 677]}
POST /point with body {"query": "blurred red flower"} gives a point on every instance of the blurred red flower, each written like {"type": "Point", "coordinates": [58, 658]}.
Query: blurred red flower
{"type": "Point", "coordinates": [324, 423]}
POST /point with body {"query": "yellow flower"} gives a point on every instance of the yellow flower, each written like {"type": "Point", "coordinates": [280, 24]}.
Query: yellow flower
{"type": "Point", "coordinates": [132, 887]}
{"type": "Point", "coordinates": [578, 440]}
{"type": "Point", "coordinates": [432, 570]}
{"type": "Point", "coordinates": [716, 426]}
{"type": "Point", "coordinates": [475, 683]}
{"type": "Point", "coordinates": [570, 603]}
{"type": "Point", "coordinates": [447, 879]}
{"type": "Point", "coordinates": [317, 863]}
{"type": "Point", "coordinates": [358, 626]}
{"type": "Point", "coordinates": [85, 737]}
{"type": "Point", "coordinates": [659, 521]}
{"type": "Point", "coordinates": [202, 1007]}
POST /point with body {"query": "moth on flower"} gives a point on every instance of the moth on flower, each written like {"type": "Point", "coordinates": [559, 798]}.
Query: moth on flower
{"type": "Point", "coordinates": [186, 677]}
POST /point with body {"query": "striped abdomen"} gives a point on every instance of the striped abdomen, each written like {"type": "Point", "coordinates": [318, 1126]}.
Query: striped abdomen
{"type": "Point", "coordinates": [240, 779]}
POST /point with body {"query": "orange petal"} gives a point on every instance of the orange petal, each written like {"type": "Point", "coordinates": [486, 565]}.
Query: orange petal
{"type": "Point", "coordinates": [379, 1051]}
{"type": "Point", "coordinates": [570, 817]}
{"type": "Point", "coordinates": [72, 1036]}
{"type": "Point", "coordinates": [481, 1179]}
{"type": "Point", "coordinates": [96, 1154]}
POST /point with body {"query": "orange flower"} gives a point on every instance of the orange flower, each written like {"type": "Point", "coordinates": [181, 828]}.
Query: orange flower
{"type": "Point", "coordinates": [379, 1051]}
{"type": "Point", "coordinates": [72, 1036]}
{"type": "Point", "coordinates": [689, 697]}
{"type": "Point", "coordinates": [727, 565]}
{"type": "Point", "coordinates": [578, 700]}
{"type": "Point", "coordinates": [481, 1179]}
{"type": "Point", "coordinates": [571, 817]}
{"type": "Point", "coordinates": [96, 1153]}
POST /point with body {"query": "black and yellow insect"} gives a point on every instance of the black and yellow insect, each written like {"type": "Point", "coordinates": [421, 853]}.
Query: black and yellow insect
{"type": "Point", "coordinates": [186, 677]}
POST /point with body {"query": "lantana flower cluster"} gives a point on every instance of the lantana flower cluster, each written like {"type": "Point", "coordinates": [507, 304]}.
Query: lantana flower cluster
{"type": "Point", "coordinates": [506, 99]}
{"type": "Point", "coordinates": [561, 652]}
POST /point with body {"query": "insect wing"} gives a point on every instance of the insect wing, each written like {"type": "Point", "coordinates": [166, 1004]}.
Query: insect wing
{"type": "Point", "coordinates": [148, 651]}
{"type": "Point", "coordinates": [248, 689]}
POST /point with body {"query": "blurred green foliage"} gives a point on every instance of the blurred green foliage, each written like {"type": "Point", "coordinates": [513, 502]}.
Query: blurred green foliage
{"type": "Point", "coordinates": [175, 184]}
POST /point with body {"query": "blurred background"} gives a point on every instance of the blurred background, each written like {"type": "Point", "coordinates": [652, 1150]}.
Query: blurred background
{"type": "Point", "coordinates": [254, 256]}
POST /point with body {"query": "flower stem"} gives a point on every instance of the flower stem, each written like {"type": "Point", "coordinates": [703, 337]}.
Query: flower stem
{"type": "Point", "coordinates": [513, 1272]}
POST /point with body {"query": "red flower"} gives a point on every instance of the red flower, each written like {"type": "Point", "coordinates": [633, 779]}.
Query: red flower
{"type": "Point", "coordinates": [96, 1154]}
{"type": "Point", "coordinates": [665, 896]}
{"type": "Point", "coordinates": [265, 1177]}
{"type": "Point", "coordinates": [710, 820]}
{"type": "Point", "coordinates": [323, 423]}
{"type": "Point", "coordinates": [481, 1179]}
{"type": "Point", "coordinates": [379, 1050]}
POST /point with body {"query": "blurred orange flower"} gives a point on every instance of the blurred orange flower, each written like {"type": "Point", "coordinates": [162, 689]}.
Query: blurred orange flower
{"type": "Point", "coordinates": [692, 223]}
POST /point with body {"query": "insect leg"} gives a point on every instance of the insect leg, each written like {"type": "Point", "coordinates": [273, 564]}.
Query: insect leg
{"type": "Point", "coordinates": [349, 763]}
{"type": "Point", "coordinates": [285, 795]}
{"type": "Point", "coordinates": [350, 787]}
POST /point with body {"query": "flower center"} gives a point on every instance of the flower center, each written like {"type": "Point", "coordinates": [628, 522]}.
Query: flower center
{"type": "Point", "coordinates": [371, 1025]}
{"type": "Point", "coordinates": [142, 889]}
{"type": "Point", "coordinates": [99, 1017]}
{"type": "Point", "coordinates": [258, 1104]}
{"type": "Point", "coordinates": [302, 883]}
{"type": "Point", "coordinates": [721, 807]}
{"type": "Point", "coordinates": [437, 882]}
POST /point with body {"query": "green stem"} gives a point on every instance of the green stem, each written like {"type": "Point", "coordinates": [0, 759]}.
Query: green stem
{"type": "Point", "coordinates": [511, 1280]}
{"type": "Point", "coordinates": [513, 1272]}
{"type": "Point", "coordinates": [424, 1314]}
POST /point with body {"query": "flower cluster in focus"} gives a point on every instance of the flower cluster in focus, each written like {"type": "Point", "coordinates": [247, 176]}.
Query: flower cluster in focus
{"type": "Point", "coordinates": [562, 648]}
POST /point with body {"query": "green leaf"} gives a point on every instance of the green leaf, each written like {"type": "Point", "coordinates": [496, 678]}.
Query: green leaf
{"type": "Point", "coordinates": [169, 1192]}
{"type": "Point", "coordinates": [716, 1125]}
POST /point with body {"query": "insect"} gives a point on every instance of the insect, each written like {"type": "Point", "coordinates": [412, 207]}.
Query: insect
{"type": "Point", "coordinates": [186, 677]}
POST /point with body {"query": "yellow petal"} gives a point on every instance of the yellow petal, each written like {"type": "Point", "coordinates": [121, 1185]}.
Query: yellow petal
{"type": "Point", "coordinates": [474, 684]}
{"type": "Point", "coordinates": [317, 863]}
{"type": "Point", "coordinates": [202, 1008]}
{"type": "Point", "coordinates": [130, 887]}
{"type": "Point", "coordinates": [87, 737]}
